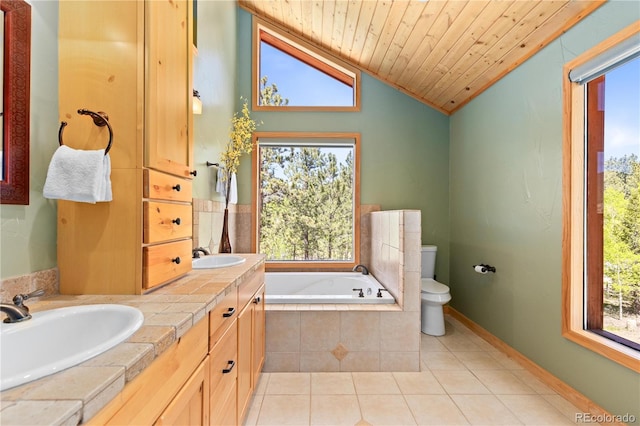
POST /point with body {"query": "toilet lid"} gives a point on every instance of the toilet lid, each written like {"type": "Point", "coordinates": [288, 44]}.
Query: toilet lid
{"type": "Point", "coordinates": [432, 286]}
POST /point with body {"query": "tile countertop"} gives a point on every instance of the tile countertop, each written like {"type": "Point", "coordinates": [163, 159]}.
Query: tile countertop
{"type": "Point", "coordinates": [74, 395]}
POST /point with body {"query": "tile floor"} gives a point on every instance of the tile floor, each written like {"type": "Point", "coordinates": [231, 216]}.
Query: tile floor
{"type": "Point", "coordinates": [464, 380]}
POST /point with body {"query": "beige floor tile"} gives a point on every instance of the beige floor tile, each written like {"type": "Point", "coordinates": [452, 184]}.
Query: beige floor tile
{"type": "Point", "coordinates": [263, 380]}
{"type": "Point", "coordinates": [335, 410]}
{"type": "Point", "coordinates": [289, 384]}
{"type": "Point", "coordinates": [332, 384]}
{"type": "Point", "coordinates": [251, 419]}
{"type": "Point", "coordinates": [285, 410]}
{"type": "Point", "coordinates": [506, 361]}
{"type": "Point", "coordinates": [569, 410]}
{"type": "Point", "coordinates": [375, 384]}
{"type": "Point", "coordinates": [534, 410]}
{"type": "Point", "coordinates": [460, 382]}
{"type": "Point", "coordinates": [485, 410]}
{"type": "Point", "coordinates": [442, 361]}
{"type": "Point", "coordinates": [503, 382]}
{"type": "Point", "coordinates": [422, 383]}
{"type": "Point", "coordinates": [435, 410]}
{"type": "Point", "coordinates": [533, 382]}
{"type": "Point", "coordinates": [459, 343]}
{"type": "Point", "coordinates": [385, 410]}
{"type": "Point", "coordinates": [431, 344]}
{"type": "Point", "coordinates": [478, 360]}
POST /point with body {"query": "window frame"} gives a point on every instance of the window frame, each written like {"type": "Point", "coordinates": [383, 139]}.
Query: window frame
{"type": "Point", "coordinates": [574, 298]}
{"type": "Point", "coordinates": [255, 188]}
{"type": "Point", "coordinates": [307, 53]}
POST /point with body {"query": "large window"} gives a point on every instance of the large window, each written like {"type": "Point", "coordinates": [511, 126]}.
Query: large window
{"type": "Point", "coordinates": [601, 245]}
{"type": "Point", "coordinates": [291, 74]}
{"type": "Point", "coordinates": [306, 199]}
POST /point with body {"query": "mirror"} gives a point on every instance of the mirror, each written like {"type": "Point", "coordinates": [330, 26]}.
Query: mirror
{"type": "Point", "coordinates": [14, 184]}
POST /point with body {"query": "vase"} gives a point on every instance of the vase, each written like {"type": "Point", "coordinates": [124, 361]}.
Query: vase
{"type": "Point", "coordinates": [225, 244]}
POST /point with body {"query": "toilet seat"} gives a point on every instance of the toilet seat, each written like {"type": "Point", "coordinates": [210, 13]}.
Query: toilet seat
{"type": "Point", "coordinates": [431, 286]}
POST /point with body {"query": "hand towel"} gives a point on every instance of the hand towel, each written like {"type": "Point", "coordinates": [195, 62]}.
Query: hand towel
{"type": "Point", "coordinates": [221, 186]}
{"type": "Point", "coordinates": [77, 175]}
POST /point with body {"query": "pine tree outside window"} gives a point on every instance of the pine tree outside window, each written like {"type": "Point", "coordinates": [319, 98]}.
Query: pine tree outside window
{"type": "Point", "coordinates": [306, 199]}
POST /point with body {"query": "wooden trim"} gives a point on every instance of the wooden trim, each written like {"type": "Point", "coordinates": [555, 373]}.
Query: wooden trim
{"type": "Point", "coordinates": [306, 52]}
{"type": "Point", "coordinates": [255, 165]}
{"type": "Point", "coordinates": [564, 390]}
{"type": "Point", "coordinates": [595, 203]}
{"type": "Point", "coordinates": [573, 214]}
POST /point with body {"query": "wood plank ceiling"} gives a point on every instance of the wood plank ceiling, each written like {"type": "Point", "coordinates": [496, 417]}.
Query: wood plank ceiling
{"type": "Point", "coordinates": [442, 52]}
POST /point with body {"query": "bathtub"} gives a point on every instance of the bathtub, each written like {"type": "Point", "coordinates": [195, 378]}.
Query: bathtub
{"type": "Point", "coordinates": [324, 287]}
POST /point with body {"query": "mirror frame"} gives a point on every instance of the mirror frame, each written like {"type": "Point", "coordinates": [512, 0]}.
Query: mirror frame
{"type": "Point", "coordinates": [14, 187]}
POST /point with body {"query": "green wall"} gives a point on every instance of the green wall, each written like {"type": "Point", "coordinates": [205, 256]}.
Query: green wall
{"type": "Point", "coordinates": [28, 233]}
{"type": "Point", "coordinates": [506, 210]}
{"type": "Point", "coordinates": [404, 153]}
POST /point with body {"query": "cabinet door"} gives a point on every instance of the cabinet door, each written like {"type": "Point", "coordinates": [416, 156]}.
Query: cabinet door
{"type": "Point", "coordinates": [245, 346]}
{"type": "Point", "coordinates": [258, 336]}
{"type": "Point", "coordinates": [190, 405]}
{"type": "Point", "coordinates": [169, 89]}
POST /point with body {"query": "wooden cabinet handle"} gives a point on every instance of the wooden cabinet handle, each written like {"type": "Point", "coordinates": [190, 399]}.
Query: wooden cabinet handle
{"type": "Point", "coordinates": [257, 300]}
{"type": "Point", "coordinates": [176, 221]}
{"type": "Point", "coordinates": [176, 188]}
{"type": "Point", "coordinates": [193, 173]}
{"type": "Point", "coordinates": [230, 364]}
{"type": "Point", "coordinates": [229, 312]}
{"type": "Point", "coordinates": [176, 260]}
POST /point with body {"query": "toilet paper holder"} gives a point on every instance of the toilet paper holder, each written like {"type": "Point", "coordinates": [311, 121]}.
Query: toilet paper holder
{"type": "Point", "coordinates": [483, 269]}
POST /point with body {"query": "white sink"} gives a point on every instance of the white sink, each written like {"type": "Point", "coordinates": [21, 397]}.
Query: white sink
{"type": "Point", "coordinates": [61, 338]}
{"type": "Point", "coordinates": [217, 261]}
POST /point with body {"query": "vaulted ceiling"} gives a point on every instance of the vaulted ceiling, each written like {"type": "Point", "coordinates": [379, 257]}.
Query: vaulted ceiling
{"type": "Point", "coordinates": [442, 52]}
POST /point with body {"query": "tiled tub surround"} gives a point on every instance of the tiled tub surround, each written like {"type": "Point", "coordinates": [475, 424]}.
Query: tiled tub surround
{"type": "Point", "coordinates": [75, 395]}
{"type": "Point", "coordinates": [326, 337]}
{"type": "Point", "coordinates": [46, 280]}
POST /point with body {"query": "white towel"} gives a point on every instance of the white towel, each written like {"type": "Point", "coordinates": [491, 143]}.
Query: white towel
{"type": "Point", "coordinates": [221, 186]}
{"type": "Point", "coordinates": [77, 175]}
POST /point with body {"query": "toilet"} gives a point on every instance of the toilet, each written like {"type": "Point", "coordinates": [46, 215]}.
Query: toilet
{"type": "Point", "coordinates": [433, 294]}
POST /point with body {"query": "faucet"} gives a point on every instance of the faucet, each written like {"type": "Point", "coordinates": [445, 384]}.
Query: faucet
{"type": "Point", "coordinates": [196, 252]}
{"type": "Point", "coordinates": [18, 311]}
{"type": "Point", "coordinates": [363, 268]}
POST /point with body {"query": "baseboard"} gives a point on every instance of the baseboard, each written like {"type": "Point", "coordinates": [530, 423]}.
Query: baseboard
{"type": "Point", "coordinates": [564, 390]}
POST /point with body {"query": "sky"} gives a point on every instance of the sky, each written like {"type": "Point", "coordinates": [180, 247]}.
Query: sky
{"type": "Point", "coordinates": [622, 110]}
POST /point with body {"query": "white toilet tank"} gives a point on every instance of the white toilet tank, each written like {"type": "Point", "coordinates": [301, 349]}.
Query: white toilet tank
{"type": "Point", "coordinates": [428, 261]}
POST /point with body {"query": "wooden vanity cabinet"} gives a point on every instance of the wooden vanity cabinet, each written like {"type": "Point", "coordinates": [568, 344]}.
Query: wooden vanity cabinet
{"type": "Point", "coordinates": [132, 60]}
{"type": "Point", "coordinates": [251, 339]}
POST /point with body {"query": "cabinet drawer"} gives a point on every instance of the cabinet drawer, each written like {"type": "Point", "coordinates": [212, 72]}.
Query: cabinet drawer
{"type": "Point", "coordinates": [224, 371]}
{"type": "Point", "coordinates": [248, 288]}
{"type": "Point", "coordinates": [162, 186]}
{"type": "Point", "coordinates": [166, 221]}
{"type": "Point", "coordinates": [164, 262]}
{"type": "Point", "coordinates": [222, 316]}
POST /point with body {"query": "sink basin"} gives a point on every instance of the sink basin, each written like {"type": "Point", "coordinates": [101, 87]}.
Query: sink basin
{"type": "Point", "coordinates": [61, 338]}
{"type": "Point", "coordinates": [217, 261]}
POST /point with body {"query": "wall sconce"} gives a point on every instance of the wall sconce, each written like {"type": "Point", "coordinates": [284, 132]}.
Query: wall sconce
{"type": "Point", "coordinates": [197, 103]}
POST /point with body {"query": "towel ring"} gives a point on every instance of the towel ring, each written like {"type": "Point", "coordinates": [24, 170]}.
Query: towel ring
{"type": "Point", "coordinates": [100, 119]}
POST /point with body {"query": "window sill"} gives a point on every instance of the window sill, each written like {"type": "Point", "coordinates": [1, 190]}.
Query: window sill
{"type": "Point", "coordinates": [609, 349]}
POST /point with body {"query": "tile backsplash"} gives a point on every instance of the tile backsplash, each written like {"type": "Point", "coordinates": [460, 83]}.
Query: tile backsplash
{"type": "Point", "coordinates": [46, 280]}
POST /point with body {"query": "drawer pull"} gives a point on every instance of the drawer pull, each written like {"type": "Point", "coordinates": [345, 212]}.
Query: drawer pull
{"type": "Point", "coordinates": [257, 300]}
{"type": "Point", "coordinates": [176, 188]}
{"type": "Point", "coordinates": [193, 173]}
{"type": "Point", "coordinates": [176, 221]}
{"type": "Point", "coordinates": [229, 312]}
{"type": "Point", "coordinates": [231, 363]}
{"type": "Point", "coordinates": [176, 260]}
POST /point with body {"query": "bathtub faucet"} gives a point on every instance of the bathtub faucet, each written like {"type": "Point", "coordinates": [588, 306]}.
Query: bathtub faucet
{"type": "Point", "coordinates": [363, 268]}
{"type": "Point", "coordinates": [360, 292]}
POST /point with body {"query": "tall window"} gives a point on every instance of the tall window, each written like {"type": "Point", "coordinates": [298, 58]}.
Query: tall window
{"type": "Point", "coordinates": [308, 78]}
{"type": "Point", "coordinates": [601, 258]}
{"type": "Point", "coordinates": [307, 213]}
